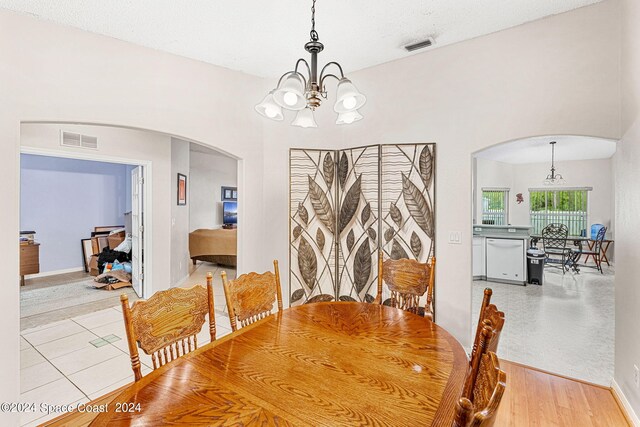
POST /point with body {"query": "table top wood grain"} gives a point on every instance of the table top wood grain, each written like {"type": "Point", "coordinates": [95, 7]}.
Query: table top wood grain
{"type": "Point", "coordinates": [337, 363]}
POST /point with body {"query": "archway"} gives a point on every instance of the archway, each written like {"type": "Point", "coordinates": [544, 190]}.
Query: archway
{"type": "Point", "coordinates": [550, 326]}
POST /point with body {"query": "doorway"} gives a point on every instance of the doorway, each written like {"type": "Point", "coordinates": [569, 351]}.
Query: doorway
{"type": "Point", "coordinates": [81, 221]}
{"type": "Point", "coordinates": [554, 313]}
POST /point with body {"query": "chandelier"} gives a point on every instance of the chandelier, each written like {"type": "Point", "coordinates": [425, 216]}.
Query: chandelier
{"type": "Point", "coordinates": [304, 94]}
{"type": "Point", "coordinates": [553, 178]}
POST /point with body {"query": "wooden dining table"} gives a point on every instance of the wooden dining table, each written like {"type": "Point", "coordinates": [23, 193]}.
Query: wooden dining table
{"type": "Point", "coordinates": [332, 363]}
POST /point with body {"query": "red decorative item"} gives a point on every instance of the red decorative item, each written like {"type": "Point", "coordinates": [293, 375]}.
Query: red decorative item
{"type": "Point", "coordinates": [519, 198]}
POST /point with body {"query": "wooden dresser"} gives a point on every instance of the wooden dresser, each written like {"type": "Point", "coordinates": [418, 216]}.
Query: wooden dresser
{"type": "Point", "coordinates": [29, 260]}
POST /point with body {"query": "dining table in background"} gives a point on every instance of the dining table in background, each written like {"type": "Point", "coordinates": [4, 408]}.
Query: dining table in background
{"type": "Point", "coordinates": [332, 363]}
{"type": "Point", "coordinates": [579, 242]}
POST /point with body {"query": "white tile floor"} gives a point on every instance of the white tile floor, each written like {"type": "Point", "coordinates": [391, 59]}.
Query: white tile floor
{"type": "Point", "coordinates": [565, 326]}
{"type": "Point", "coordinates": [60, 365]}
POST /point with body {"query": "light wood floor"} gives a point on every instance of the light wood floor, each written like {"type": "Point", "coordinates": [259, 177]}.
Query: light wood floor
{"type": "Point", "coordinates": [536, 398]}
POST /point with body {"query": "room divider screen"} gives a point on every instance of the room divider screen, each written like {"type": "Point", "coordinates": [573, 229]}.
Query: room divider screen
{"type": "Point", "coordinates": [347, 205]}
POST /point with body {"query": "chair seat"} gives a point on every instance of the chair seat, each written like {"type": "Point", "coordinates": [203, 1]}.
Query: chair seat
{"type": "Point", "coordinates": [587, 252]}
{"type": "Point", "coordinates": [558, 251]}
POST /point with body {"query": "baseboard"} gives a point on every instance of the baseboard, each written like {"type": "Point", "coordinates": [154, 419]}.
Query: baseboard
{"type": "Point", "coordinates": [53, 273]}
{"type": "Point", "coordinates": [181, 281]}
{"type": "Point", "coordinates": [627, 410]}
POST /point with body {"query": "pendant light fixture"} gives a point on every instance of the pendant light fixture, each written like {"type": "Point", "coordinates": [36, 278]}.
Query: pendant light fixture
{"type": "Point", "coordinates": [553, 178]}
{"type": "Point", "coordinates": [304, 94]}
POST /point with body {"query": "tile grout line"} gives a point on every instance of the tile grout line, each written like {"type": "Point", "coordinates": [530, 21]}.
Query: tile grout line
{"type": "Point", "coordinates": [62, 355]}
{"type": "Point", "coordinates": [61, 373]}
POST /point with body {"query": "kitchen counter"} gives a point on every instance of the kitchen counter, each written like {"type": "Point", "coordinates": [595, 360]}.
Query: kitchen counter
{"type": "Point", "coordinates": [503, 236]}
{"type": "Point", "coordinates": [502, 231]}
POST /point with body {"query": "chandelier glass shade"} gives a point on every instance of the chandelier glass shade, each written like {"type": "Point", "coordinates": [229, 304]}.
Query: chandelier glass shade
{"type": "Point", "coordinates": [268, 108]}
{"type": "Point", "coordinates": [553, 178]}
{"type": "Point", "coordinates": [296, 91]}
{"type": "Point", "coordinates": [305, 119]}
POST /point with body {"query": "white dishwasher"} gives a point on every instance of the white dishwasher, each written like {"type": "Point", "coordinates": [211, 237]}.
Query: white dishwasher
{"type": "Point", "coordinates": [506, 260]}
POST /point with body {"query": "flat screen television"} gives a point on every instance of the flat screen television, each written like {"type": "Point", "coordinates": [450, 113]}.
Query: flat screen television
{"type": "Point", "coordinates": [230, 212]}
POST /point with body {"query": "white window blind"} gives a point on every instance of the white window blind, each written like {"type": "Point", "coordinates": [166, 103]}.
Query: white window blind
{"type": "Point", "coordinates": [495, 202]}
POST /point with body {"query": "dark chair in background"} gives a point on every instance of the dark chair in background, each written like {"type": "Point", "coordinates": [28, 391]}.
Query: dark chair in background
{"type": "Point", "coordinates": [554, 243]}
{"type": "Point", "coordinates": [595, 250]}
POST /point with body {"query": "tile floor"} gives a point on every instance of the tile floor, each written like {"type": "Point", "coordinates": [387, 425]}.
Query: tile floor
{"type": "Point", "coordinates": [565, 326]}
{"type": "Point", "coordinates": [79, 359]}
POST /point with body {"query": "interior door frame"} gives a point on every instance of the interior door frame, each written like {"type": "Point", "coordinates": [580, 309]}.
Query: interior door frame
{"type": "Point", "coordinates": [147, 196]}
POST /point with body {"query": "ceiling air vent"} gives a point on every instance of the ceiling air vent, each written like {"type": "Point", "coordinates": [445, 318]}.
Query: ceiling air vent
{"type": "Point", "coordinates": [71, 139]}
{"type": "Point", "coordinates": [420, 45]}
{"type": "Point", "coordinates": [89, 141]}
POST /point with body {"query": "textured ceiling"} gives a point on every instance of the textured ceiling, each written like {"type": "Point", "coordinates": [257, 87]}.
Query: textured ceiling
{"type": "Point", "coordinates": [537, 150]}
{"type": "Point", "coordinates": [265, 38]}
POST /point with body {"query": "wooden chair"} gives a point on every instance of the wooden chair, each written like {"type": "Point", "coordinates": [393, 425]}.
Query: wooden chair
{"type": "Point", "coordinates": [483, 389]}
{"type": "Point", "coordinates": [408, 280]}
{"type": "Point", "coordinates": [250, 297]}
{"type": "Point", "coordinates": [165, 326]}
{"type": "Point", "coordinates": [489, 312]}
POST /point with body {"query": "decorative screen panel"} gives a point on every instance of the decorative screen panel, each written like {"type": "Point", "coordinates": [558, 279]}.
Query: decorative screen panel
{"type": "Point", "coordinates": [408, 202]}
{"type": "Point", "coordinates": [312, 224]}
{"type": "Point", "coordinates": [358, 195]}
{"type": "Point", "coordinates": [346, 206]}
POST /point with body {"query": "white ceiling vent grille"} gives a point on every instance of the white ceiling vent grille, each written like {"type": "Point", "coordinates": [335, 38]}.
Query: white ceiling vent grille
{"type": "Point", "coordinates": [89, 142]}
{"type": "Point", "coordinates": [71, 139]}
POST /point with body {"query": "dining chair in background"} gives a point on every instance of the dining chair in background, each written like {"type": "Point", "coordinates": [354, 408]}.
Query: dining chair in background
{"type": "Point", "coordinates": [483, 389]}
{"type": "Point", "coordinates": [495, 318]}
{"type": "Point", "coordinates": [408, 280]}
{"type": "Point", "coordinates": [165, 326]}
{"type": "Point", "coordinates": [251, 296]}
{"type": "Point", "coordinates": [554, 244]}
{"type": "Point", "coordinates": [595, 250]}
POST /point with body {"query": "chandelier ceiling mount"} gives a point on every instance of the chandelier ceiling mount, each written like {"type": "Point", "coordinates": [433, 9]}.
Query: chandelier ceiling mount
{"type": "Point", "coordinates": [553, 178]}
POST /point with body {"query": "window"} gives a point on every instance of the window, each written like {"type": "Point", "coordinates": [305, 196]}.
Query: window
{"type": "Point", "coordinates": [568, 207]}
{"type": "Point", "coordinates": [494, 206]}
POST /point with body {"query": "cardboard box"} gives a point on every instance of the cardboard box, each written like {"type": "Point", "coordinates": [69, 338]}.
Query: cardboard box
{"type": "Point", "coordinates": [116, 239]}
{"type": "Point", "coordinates": [93, 265]}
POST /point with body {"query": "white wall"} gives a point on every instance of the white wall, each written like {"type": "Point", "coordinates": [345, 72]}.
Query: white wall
{"type": "Point", "coordinates": [209, 172]}
{"type": "Point", "coordinates": [554, 76]}
{"type": "Point", "coordinates": [627, 183]}
{"type": "Point", "coordinates": [179, 214]}
{"type": "Point", "coordinates": [126, 144]}
{"type": "Point", "coordinates": [121, 84]}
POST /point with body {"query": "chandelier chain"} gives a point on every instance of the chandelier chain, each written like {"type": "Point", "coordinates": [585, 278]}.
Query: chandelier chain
{"type": "Point", "coordinates": [313, 33]}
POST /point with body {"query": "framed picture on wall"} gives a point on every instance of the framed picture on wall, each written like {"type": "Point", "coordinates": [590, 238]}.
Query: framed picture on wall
{"type": "Point", "coordinates": [182, 189]}
{"type": "Point", "coordinates": [229, 194]}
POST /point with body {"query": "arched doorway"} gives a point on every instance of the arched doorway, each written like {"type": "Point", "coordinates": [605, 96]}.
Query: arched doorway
{"type": "Point", "coordinates": [68, 337]}
{"type": "Point", "coordinates": [551, 326]}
